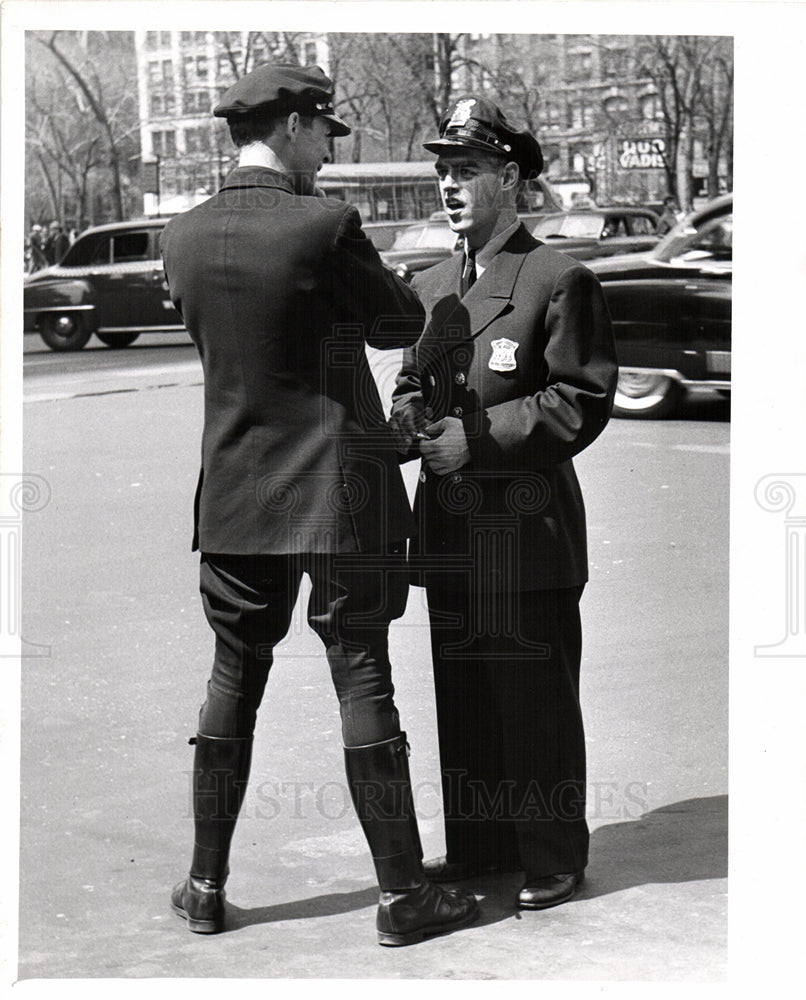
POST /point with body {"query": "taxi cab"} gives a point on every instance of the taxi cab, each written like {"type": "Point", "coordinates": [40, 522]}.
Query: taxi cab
{"type": "Point", "coordinates": [109, 283]}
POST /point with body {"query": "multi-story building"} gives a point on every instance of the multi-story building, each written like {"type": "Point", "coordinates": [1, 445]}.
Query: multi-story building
{"type": "Point", "coordinates": [181, 75]}
{"type": "Point", "coordinates": [595, 108]}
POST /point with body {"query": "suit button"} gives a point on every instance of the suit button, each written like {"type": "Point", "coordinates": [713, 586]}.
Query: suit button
{"type": "Point", "coordinates": [457, 411]}
{"type": "Point", "coordinates": [423, 476]}
{"type": "Point", "coordinates": [428, 413]}
{"type": "Point", "coordinates": [456, 477]}
{"type": "Point", "coordinates": [460, 378]}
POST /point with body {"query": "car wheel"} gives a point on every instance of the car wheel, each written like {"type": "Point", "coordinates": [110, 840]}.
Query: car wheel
{"type": "Point", "coordinates": [67, 331]}
{"type": "Point", "coordinates": [118, 339]}
{"type": "Point", "coordinates": [645, 395]}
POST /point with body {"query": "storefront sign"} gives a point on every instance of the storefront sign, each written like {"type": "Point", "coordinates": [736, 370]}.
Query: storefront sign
{"type": "Point", "coordinates": [642, 154]}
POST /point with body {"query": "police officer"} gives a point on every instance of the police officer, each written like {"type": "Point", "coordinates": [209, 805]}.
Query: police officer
{"type": "Point", "coordinates": [513, 376]}
{"type": "Point", "coordinates": [280, 291]}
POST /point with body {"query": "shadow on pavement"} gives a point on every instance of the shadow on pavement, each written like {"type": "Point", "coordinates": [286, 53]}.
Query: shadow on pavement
{"type": "Point", "coordinates": [682, 842]}
{"type": "Point", "coordinates": [685, 841]}
{"type": "Point", "coordinates": [342, 902]}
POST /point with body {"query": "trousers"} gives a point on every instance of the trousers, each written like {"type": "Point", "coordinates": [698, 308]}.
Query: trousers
{"type": "Point", "coordinates": [511, 738]}
{"type": "Point", "coordinates": [249, 601]}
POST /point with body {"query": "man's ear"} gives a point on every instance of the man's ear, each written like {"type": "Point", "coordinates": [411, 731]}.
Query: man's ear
{"type": "Point", "coordinates": [292, 124]}
{"type": "Point", "coordinates": [510, 176]}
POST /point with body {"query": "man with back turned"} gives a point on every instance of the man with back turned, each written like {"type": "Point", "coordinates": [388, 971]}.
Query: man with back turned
{"type": "Point", "coordinates": [513, 375]}
{"type": "Point", "coordinates": [280, 291]}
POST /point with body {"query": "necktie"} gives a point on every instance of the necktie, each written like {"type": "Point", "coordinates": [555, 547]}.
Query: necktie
{"type": "Point", "coordinates": [469, 273]}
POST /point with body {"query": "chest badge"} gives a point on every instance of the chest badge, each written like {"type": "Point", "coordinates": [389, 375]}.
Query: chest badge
{"type": "Point", "coordinates": [503, 357]}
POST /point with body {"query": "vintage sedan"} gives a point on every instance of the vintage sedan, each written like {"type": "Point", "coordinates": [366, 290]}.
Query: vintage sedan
{"type": "Point", "coordinates": [599, 232]}
{"type": "Point", "coordinates": [583, 234]}
{"type": "Point", "coordinates": [671, 312]}
{"type": "Point", "coordinates": [110, 282]}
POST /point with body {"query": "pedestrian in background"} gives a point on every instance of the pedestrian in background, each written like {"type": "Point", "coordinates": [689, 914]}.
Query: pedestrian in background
{"type": "Point", "coordinates": [57, 242]}
{"type": "Point", "coordinates": [670, 215]}
{"type": "Point", "coordinates": [512, 377]}
{"type": "Point", "coordinates": [280, 291]}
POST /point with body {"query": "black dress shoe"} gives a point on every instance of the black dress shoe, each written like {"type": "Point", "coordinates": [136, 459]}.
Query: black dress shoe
{"type": "Point", "coordinates": [539, 893]}
{"type": "Point", "coordinates": [408, 916]}
{"type": "Point", "coordinates": [201, 902]}
{"type": "Point", "coordinates": [442, 870]}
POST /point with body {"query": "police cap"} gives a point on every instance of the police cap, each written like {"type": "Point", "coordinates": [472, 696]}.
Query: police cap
{"type": "Point", "coordinates": [282, 88]}
{"type": "Point", "coordinates": [476, 123]}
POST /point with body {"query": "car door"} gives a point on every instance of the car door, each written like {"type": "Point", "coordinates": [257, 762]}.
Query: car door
{"type": "Point", "coordinates": [136, 298]}
{"type": "Point", "coordinates": [706, 314]}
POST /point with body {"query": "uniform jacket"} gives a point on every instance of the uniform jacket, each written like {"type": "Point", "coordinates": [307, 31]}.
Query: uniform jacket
{"type": "Point", "coordinates": [527, 361]}
{"type": "Point", "coordinates": [280, 294]}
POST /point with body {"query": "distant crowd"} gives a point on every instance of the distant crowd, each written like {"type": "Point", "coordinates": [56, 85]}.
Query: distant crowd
{"type": "Point", "coordinates": [46, 245]}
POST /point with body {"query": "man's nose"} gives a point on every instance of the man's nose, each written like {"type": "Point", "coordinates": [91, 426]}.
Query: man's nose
{"type": "Point", "coordinates": [327, 157]}
{"type": "Point", "coordinates": [447, 184]}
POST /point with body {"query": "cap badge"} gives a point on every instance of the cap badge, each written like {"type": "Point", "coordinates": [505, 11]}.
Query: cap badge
{"type": "Point", "coordinates": [503, 356]}
{"type": "Point", "coordinates": [461, 113]}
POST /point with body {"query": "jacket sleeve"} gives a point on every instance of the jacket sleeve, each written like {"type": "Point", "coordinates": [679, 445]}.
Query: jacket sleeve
{"type": "Point", "coordinates": [369, 293]}
{"type": "Point", "coordinates": [580, 368]}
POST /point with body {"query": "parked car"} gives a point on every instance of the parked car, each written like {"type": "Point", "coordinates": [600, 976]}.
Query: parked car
{"type": "Point", "coordinates": [421, 245]}
{"type": "Point", "coordinates": [110, 282]}
{"type": "Point", "coordinates": [599, 232]}
{"type": "Point", "coordinates": [582, 234]}
{"type": "Point", "coordinates": [671, 311]}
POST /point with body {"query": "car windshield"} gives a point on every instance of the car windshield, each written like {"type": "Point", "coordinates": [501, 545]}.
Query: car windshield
{"type": "Point", "coordinates": [587, 226]}
{"type": "Point", "coordinates": [419, 237]}
{"type": "Point", "coordinates": [712, 240]}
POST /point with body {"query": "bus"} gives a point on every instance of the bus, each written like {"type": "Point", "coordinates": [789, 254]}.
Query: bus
{"type": "Point", "coordinates": [391, 196]}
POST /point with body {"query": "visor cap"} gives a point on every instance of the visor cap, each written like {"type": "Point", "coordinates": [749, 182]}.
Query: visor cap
{"type": "Point", "coordinates": [476, 123]}
{"type": "Point", "coordinates": [282, 88]}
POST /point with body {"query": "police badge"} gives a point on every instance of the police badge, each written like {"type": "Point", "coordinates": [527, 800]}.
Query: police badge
{"type": "Point", "coordinates": [503, 357]}
{"type": "Point", "coordinates": [461, 112]}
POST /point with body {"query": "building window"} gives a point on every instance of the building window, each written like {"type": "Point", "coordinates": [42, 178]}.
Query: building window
{"type": "Point", "coordinates": [165, 39]}
{"type": "Point", "coordinates": [310, 53]}
{"type": "Point", "coordinates": [201, 67]}
{"type": "Point", "coordinates": [649, 106]}
{"type": "Point", "coordinates": [187, 37]}
{"type": "Point", "coordinates": [170, 104]}
{"type": "Point", "coordinates": [167, 72]}
{"type": "Point", "coordinates": [197, 140]}
{"type": "Point", "coordinates": [156, 105]}
{"type": "Point", "coordinates": [201, 37]}
{"type": "Point", "coordinates": [154, 75]}
{"type": "Point", "coordinates": [616, 106]}
{"type": "Point", "coordinates": [615, 63]}
{"type": "Point", "coordinates": [164, 143]}
{"type": "Point", "coordinates": [580, 64]}
{"type": "Point", "coordinates": [151, 39]}
{"type": "Point", "coordinates": [588, 116]}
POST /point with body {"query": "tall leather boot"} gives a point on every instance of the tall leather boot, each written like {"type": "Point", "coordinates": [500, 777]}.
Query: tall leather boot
{"type": "Point", "coordinates": [220, 774]}
{"type": "Point", "coordinates": [410, 907]}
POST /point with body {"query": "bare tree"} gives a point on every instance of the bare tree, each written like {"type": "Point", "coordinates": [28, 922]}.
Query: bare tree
{"type": "Point", "coordinates": [113, 108]}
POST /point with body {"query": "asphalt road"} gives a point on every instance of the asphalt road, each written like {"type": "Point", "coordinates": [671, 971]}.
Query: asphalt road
{"type": "Point", "coordinates": [110, 599]}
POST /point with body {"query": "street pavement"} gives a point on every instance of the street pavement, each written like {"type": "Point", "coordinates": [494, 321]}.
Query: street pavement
{"type": "Point", "coordinates": [111, 602]}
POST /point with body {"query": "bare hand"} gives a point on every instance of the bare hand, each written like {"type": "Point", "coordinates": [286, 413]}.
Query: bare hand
{"type": "Point", "coordinates": [446, 448]}
{"type": "Point", "coordinates": [405, 424]}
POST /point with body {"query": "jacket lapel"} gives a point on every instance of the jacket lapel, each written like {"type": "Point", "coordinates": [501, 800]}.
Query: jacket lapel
{"type": "Point", "coordinates": [454, 320]}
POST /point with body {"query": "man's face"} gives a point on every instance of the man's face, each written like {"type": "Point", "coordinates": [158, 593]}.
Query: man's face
{"type": "Point", "coordinates": [311, 150]}
{"type": "Point", "coordinates": [471, 187]}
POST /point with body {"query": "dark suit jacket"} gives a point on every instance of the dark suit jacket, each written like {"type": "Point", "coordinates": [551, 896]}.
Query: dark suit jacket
{"type": "Point", "coordinates": [513, 518]}
{"type": "Point", "coordinates": [280, 294]}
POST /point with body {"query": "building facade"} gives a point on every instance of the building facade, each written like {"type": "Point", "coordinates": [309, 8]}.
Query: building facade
{"type": "Point", "coordinates": [589, 98]}
{"type": "Point", "coordinates": [181, 75]}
